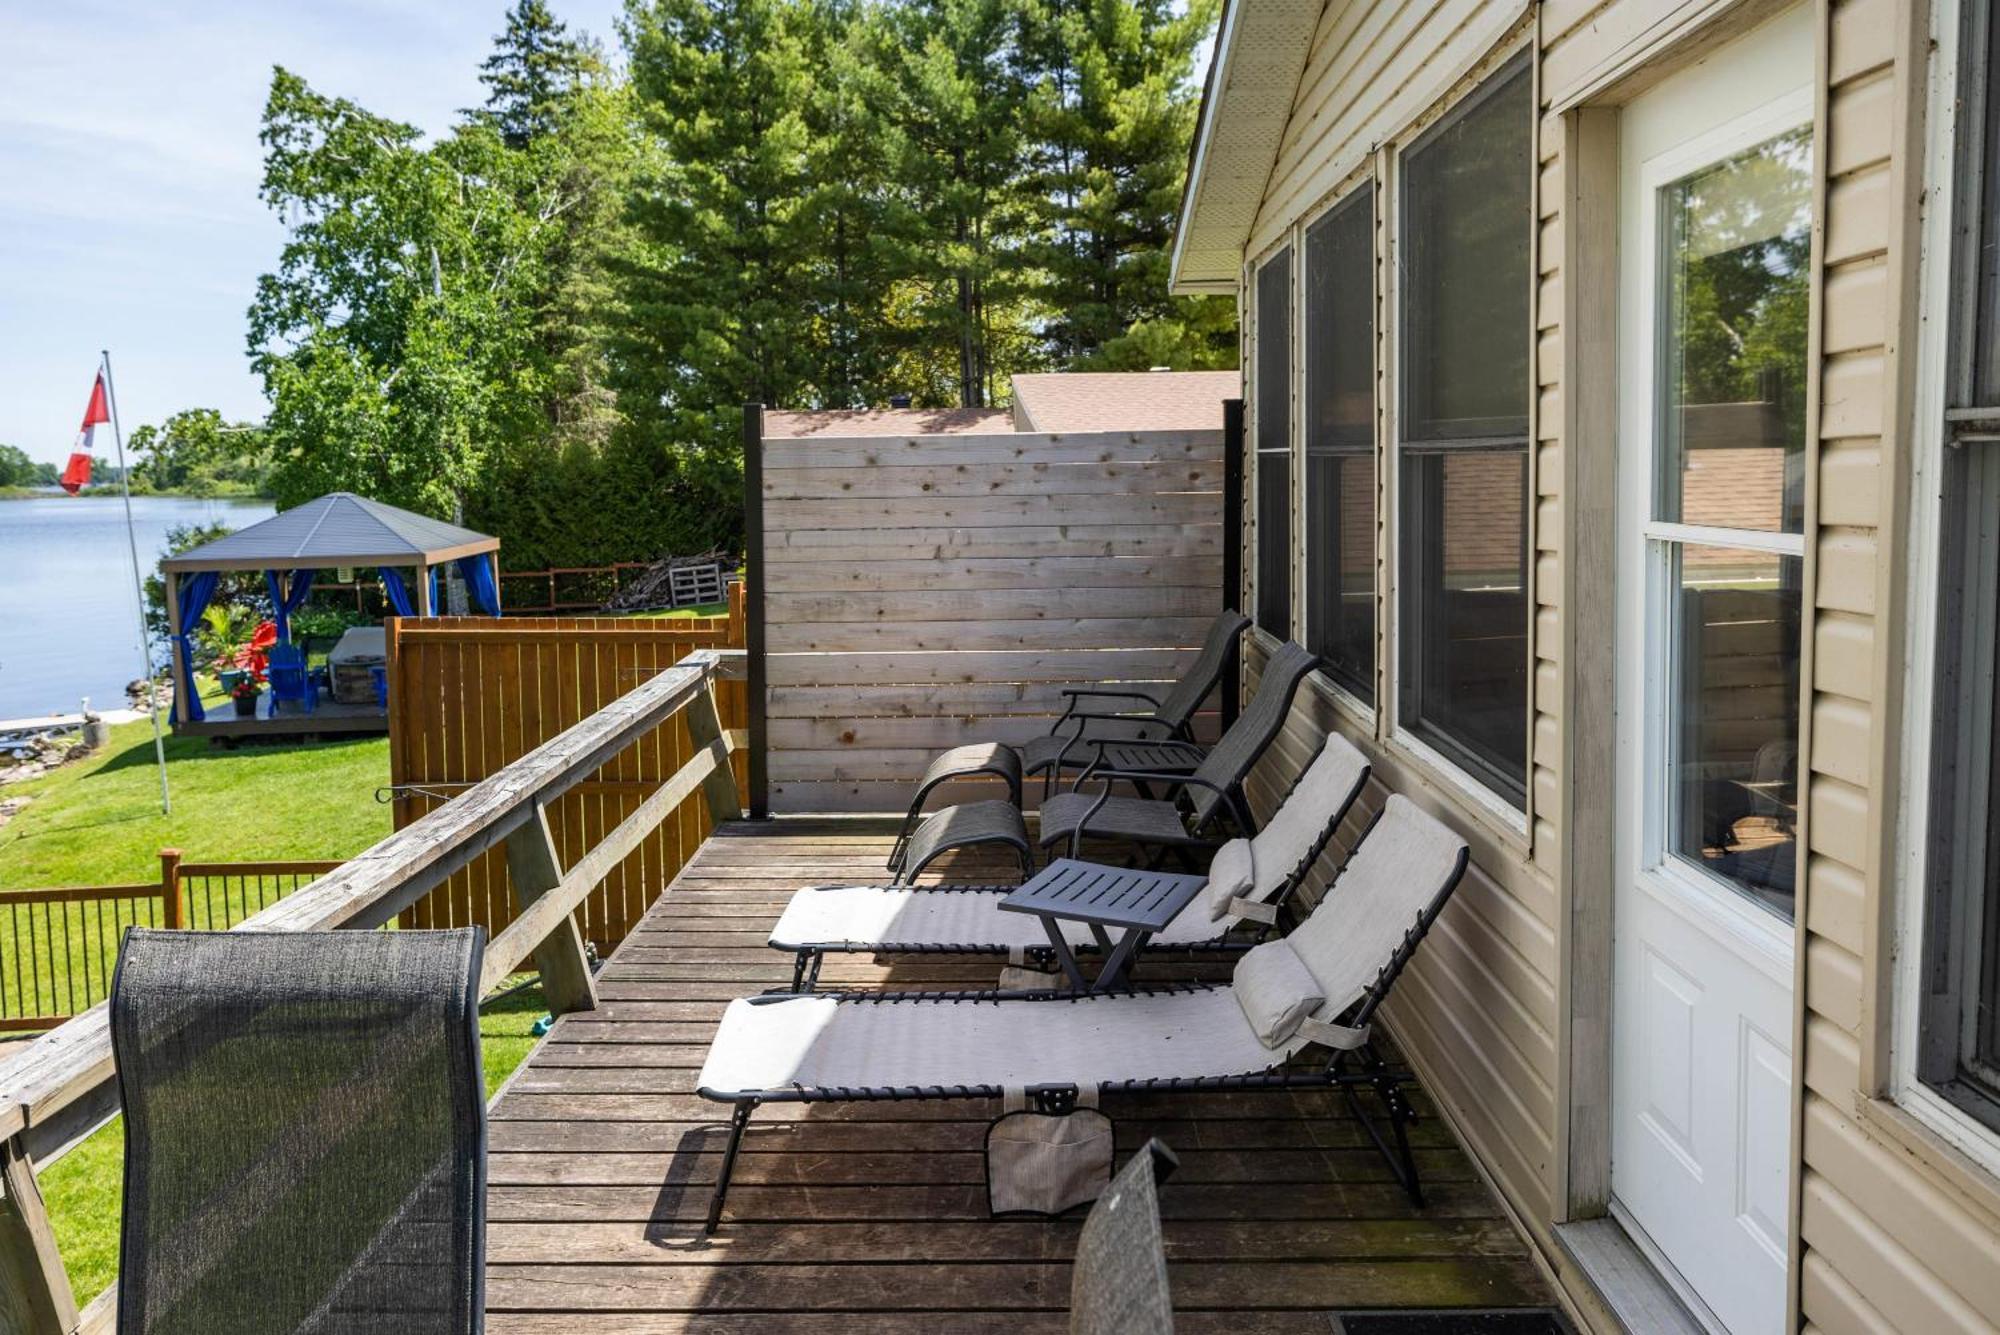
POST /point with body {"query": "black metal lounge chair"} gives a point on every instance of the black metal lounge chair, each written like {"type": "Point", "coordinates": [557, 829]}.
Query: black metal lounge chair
{"type": "Point", "coordinates": [305, 1131]}
{"type": "Point", "coordinates": [1319, 986]}
{"type": "Point", "coordinates": [1066, 746]}
{"type": "Point", "coordinates": [965, 920]}
{"type": "Point", "coordinates": [1200, 801]}
{"type": "Point", "coordinates": [1118, 1285]}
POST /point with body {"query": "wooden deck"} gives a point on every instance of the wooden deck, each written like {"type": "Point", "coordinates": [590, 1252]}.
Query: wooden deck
{"type": "Point", "coordinates": [872, 1217]}
{"type": "Point", "coordinates": [331, 718]}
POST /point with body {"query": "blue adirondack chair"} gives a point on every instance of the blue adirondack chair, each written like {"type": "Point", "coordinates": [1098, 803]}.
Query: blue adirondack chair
{"type": "Point", "coordinates": [290, 681]}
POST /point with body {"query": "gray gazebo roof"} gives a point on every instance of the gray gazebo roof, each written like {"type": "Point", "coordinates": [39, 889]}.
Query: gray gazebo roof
{"type": "Point", "coordinates": [340, 529]}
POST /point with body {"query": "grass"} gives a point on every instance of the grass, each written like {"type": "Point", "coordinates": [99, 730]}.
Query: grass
{"type": "Point", "coordinates": [698, 610]}
{"type": "Point", "coordinates": [98, 822]}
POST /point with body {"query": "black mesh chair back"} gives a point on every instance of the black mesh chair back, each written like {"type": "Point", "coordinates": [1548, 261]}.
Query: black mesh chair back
{"type": "Point", "coordinates": [1251, 734]}
{"type": "Point", "coordinates": [305, 1132]}
{"type": "Point", "coordinates": [1119, 1283]}
{"type": "Point", "coordinates": [1218, 651]}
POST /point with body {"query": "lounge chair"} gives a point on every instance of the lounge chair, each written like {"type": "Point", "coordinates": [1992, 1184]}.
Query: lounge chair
{"type": "Point", "coordinates": [965, 920]}
{"type": "Point", "coordinates": [305, 1131]}
{"type": "Point", "coordinates": [1202, 801]}
{"type": "Point", "coordinates": [1319, 986]}
{"type": "Point", "coordinates": [1170, 716]}
{"type": "Point", "coordinates": [1192, 818]}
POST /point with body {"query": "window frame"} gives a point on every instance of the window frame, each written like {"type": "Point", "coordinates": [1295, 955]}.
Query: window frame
{"type": "Point", "coordinates": [1365, 191]}
{"type": "Point", "coordinates": [1970, 1122]}
{"type": "Point", "coordinates": [1506, 801]}
{"type": "Point", "coordinates": [1283, 254]}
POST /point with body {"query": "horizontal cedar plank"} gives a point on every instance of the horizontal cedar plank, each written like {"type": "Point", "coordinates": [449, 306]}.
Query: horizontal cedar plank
{"type": "Point", "coordinates": [992, 572]}
{"type": "Point", "coordinates": [945, 604]}
{"type": "Point", "coordinates": [901, 542]}
{"type": "Point", "coordinates": [626, 1242]}
{"type": "Point", "coordinates": [1026, 478]}
{"type": "Point", "coordinates": [861, 667]}
{"type": "Point", "coordinates": [943, 1201]}
{"type": "Point", "coordinates": [807, 796]}
{"type": "Point", "coordinates": [917, 701]}
{"type": "Point", "coordinates": [999, 447]}
{"type": "Point", "coordinates": [886, 516]}
{"type": "Point", "coordinates": [1462, 1281]}
{"type": "Point", "coordinates": [932, 734]}
{"type": "Point", "coordinates": [1042, 633]}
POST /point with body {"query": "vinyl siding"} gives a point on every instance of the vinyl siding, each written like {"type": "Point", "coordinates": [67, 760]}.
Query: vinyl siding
{"type": "Point", "coordinates": [1885, 1244]}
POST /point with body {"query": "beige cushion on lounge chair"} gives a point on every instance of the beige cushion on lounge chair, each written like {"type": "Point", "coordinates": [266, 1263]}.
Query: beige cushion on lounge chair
{"type": "Point", "coordinates": [1230, 875]}
{"type": "Point", "coordinates": [1276, 991]}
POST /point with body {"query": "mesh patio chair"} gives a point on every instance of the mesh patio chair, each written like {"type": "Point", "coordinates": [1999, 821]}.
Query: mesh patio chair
{"type": "Point", "coordinates": [1118, 1285]}
{"type": "Point", "coordinates": [305, 1125]}
{"type": "Point", "coordinates": [966, 920]}
{"type": "Point", "coordinates": [1201, 802]}
{"type": "Point", "coordinates": [1319, 987]}
{"type": "Point", "coordinates": [1165, 721]}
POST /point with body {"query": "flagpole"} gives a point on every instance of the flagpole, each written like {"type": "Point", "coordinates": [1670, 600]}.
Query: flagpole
{"type": "Point", "coordinates": [138, 588]}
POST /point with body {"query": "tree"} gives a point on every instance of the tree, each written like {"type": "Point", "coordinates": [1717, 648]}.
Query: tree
{"type": "Point", "coordinates": [195, 453]}
{"type": "Point", "coordinates": [1113, 112]}
{"type": "Point", "coordinates": [534, 74]}
{"type": "Point", "coordinates": [717, 308]}
{"type": "Point", "coordinates": [17, 469]}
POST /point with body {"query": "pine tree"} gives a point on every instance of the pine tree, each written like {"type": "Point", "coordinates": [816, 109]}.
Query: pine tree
{"type": "Point", "coordinates": [535, 70]}
{"type": "Point", "coordinates": [1113, 113]}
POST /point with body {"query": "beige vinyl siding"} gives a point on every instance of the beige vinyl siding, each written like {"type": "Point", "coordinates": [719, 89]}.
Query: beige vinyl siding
{"type": "Point", "coordinates": [1475, 1011]}
{"type": "Point", "coordinates": [1883, 1244]}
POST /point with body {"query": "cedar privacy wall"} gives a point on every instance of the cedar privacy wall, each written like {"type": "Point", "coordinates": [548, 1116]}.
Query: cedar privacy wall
{"type": "Point", "coordinates": [928, 591]}
{"type": "Point", "coordinates": [1890, 1231]}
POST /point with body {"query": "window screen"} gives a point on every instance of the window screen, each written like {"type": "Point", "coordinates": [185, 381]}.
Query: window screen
{"type": "Point", "coordinates": [1340, 442]}
{"type": "Point", "coordinates": [1274, 444]}
{"type": "Point", "coordinates": [1466, 211]}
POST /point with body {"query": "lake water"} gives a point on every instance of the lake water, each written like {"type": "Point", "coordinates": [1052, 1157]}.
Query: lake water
{"type": "Point", "coordinates": [69, 620]}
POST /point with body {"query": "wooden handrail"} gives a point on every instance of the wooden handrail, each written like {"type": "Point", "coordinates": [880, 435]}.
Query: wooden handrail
{"type": "Point", "coordinates": [61, 1087]}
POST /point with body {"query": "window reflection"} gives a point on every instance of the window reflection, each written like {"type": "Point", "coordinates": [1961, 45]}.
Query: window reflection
{"type": "Point", "coordinates": [1738, 240]}
{"type": "Point", "coordinates": [1735, 758]}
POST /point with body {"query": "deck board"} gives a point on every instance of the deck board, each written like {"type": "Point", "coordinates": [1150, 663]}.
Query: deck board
{"type": "Point", "coordinates": [872, 1217]}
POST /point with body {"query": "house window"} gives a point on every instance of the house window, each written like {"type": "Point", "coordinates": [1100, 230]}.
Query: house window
{"type": "Point", "coordinates": [1340, 443]}
{"type": "Point", "coordinates": [1958, 1039]}
{"type": "Point", "coordinates": [1466, 219]}
{"type": "Point", "coordinates": [1274, 444]}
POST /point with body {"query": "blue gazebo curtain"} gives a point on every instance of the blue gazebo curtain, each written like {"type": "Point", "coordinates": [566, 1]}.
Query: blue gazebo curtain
{"type": "Point", "coordinates": [399, 593]}
{"type": "Point", "coordinates": [477, 572]}
{"type": "Point", "coordinates": [195, 594]}
{"type": "Point", "coordinates": [284, 604]}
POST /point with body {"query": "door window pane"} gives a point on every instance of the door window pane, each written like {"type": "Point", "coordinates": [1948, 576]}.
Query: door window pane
{"type": "Point", "coordinates": [1274, 444]}
{"type": "Point", "coordinates": [1340, 443]}
{"type": "Point", "coordinates": [1465, 268]}
{"type": "Point", "coordinates": [1465, 610]}
{"type": "Point", "coordinates": [1738, 239]}
{"type": "Point", "coordinates": [1986, 230]}
{"type": "Point", "coordinates": [1734, 718]}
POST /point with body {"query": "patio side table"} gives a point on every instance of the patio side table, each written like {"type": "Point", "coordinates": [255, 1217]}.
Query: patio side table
{"type": "Point", "coordinates": [1134, 902]}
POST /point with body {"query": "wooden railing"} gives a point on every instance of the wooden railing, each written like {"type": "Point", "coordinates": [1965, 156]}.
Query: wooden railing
{"type": "Point", "coordinates": [58, 943]}
{"type": "Point", "coordinates": [62, 1087]}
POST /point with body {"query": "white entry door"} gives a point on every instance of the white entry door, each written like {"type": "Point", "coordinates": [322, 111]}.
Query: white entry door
{"type": "Point", "coordinates": [1715, 232]}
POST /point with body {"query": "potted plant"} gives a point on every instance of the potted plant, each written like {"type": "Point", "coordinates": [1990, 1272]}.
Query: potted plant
{"type": "Point", "coordinates": [244, 693]}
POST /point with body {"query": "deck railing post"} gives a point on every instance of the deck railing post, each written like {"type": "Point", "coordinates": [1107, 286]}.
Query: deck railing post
{"type": "Point", "coordinates": [1232, 542]}
{"type": "Point", "coordinates": [534, 869]}
{"type": "Point", "coordinates": [173, 911]}
{"type": "Point", "coordinates": [35, 1296]}
{"type": "Point", "coordinates": [753, 577]}
{"type": "Point", "coordinates": [704, 719]}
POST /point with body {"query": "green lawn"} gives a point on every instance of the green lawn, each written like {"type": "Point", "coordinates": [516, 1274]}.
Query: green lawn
{"type": "Point", "coordinates": [99, 822]}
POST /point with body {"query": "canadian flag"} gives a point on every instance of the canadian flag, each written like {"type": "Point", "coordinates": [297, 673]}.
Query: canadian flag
{"type": "Point", "coordinates": [76, 476]}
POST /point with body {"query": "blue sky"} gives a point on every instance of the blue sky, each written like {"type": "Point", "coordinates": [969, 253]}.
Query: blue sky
{"type": "Point", "coordinates": [129, 162]}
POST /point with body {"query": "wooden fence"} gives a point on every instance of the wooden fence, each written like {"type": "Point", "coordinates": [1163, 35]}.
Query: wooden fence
{"type": "Point", "coordinates": [62, 1087]}
{"type": "Point", "coordinates": [926, 591]}
{"type": "Point", "coordinates": [58, 944]}
{"type": "Point", "coordinates": [470, 695]}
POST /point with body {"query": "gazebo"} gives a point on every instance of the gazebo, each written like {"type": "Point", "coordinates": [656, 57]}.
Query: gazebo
{"type": "Point", "coordinates": [337, 531]}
